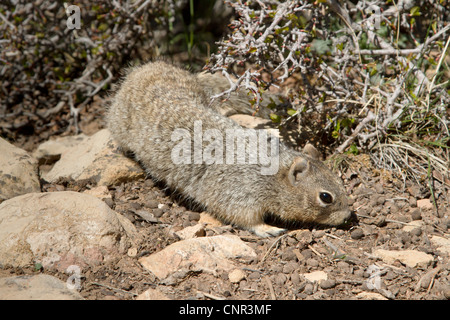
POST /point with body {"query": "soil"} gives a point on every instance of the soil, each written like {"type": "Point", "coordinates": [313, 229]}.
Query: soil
{"type": "Point", "coordinates": [383, 206]}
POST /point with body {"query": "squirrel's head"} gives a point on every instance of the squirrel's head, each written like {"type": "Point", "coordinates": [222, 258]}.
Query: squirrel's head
{"type": "Point", "coordinates": [316, 194]}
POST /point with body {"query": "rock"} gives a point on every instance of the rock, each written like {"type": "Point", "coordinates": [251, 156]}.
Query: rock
{"type": "Point", "coordinates": [194, 216]}
{"type": "Point", "coordinates": [309, 289]}
{"type": "Point", "coordinates": [328, 284]}
{"type": "Point", "coordinates": [442, 244]}
{"type": "Point", "coordinates": [97, 158]}
{"type": "Point", "coordinates": [152, 294]}
{"type": "Point", "coordinates": [416, 215]}
{"type": "Point", "coordinates": [446, 293]}
{"type": "Point", "coordinates": [357, 233]}
{"type": "Point", "coordinates": [413, 225]}
{"type": "Point", "coordinates": [50, 151]}
{"type": "Point", "coordinates": [280, 279]}
{"type": "Point", "coordinates": [208, 254]}
{"type": "Point", "coordinates": [36, 287]}
{"type": "Point", "coordinates": [100, 192]}
{"type": "Point", "coordinates": [236, 276]}
{"type": "Point", "coordinates": [381, 200]}
{"type": "Point", "coordinates": [208, 220]}
{"type": "Point", "coordinates": [152, 204]}
{"type": "Point", "coordinates": [191, 232]}
{"type": "Point", "coordinates": [312, 262]}
{"type": "Point", "coordinates": [416, 191]}
{"type": "Point", "coordinates": [410, 258]}
{"type": "Point", "coordinates": [370, 296]}
{"type": "Point", "coordinates": [424, 204]}
{"type": "Point", "coordinates": [59, 229]}
{"type": "Point", "coordinates": [18, 172]}
{"type": "Point", "coordinates": [315, 276]}
{"type": "Point", "coordinates": [132, 252]}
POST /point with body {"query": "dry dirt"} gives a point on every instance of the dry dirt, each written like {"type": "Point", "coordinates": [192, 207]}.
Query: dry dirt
{"type": "Point", "coordinates": [383, 206]}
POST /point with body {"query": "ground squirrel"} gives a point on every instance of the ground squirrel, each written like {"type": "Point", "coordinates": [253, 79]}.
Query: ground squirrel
{"type": "Point", "coordinates": [160, 108]}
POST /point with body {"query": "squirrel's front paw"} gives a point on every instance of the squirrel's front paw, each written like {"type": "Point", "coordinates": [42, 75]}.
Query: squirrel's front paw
{"type": "Point", "coordinates": [264, 230]}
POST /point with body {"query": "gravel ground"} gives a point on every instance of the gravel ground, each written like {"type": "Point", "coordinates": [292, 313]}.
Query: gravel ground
{"type": "Point", "coordinates": [341, 259]}
{"type": "Point", "coordinates": [305, 263]}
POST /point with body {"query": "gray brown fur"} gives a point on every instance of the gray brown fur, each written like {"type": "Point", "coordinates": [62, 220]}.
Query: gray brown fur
{"type": "Point", "coordinates": [157, 98]}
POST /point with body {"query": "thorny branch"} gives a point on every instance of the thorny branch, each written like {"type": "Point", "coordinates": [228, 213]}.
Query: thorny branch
{"type": "Point", "coordinates": [44, 63]}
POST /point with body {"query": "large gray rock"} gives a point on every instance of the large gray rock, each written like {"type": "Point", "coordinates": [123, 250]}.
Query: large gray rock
{"type": "Point", "coordinates": [18, 172]}
{"type": "Point", "coordinates": [96, 157]}
{"type": "Point", "coordinates": [37, 287]}
{"type": "Point", "coordinates": [59, 229]}
{"type": "Point", "coordinates": [50, 151]}
{"type": "Point", "coordinates": [410, 258]}
{"type": "Point", "coordinates": [198, 254]}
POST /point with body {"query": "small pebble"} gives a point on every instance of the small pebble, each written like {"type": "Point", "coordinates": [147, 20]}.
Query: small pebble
{"type": "Point", "coordinates": [194, 216]}
{"type": "Point", "coordinates": [394, 208]}
{"type": "Point", "coordinates": [135, 205]}
{"type": "Point", "coordinates": [254, 275]}
{"type": "Point", "coordinates": [416, 231]}
{"type": "Point", "coordinates": [390, 275]}
{"type": "Point", "coordinates": [307, 253]}
{"type": "Point", "coordinates": [309, 288]}
{"type": "Point", "coordinates": [295, 279]}
{"type": "Point", "coordinates": [288, 255]}
{"type": "Point", "coordinates": [236, 275]}
{"type": "Point", "coordinates": [290, 267]}
{"type": "Point", "coordinates": [357, 234]}
{"type": "Point", "coordinates": [132, 252]}
{"type": "Point", "coordinates": [343, 266]}
{"type": "Point", "coordinates": [157, 213]}
{"type": "Point", "coordinates": [318, 233]}
{"type": "Point", "coordinates": [328, 284]}
{"type": "Point", "coordinates": [446, 293]}
{"type": "Point", "coordinates": [312, 262]}
{"type": "Point", "coordinates": [280, 279]}
{"type": "Point", "coordinates": [416, 215]}
{"type": "Point", "coordinates": [381, 200]}
{"type": "Point", "coordinates": [152, 204]}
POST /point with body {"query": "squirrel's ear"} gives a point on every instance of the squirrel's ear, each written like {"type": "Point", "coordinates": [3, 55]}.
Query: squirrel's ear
{"type": "Point", "coordinates": [298, 168]}
{"type": "Point", "coordinates": [311, 151]}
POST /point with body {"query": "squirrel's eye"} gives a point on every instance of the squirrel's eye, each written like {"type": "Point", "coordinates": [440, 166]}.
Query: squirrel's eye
{"type": "Point", "coordinates": [326, 197]}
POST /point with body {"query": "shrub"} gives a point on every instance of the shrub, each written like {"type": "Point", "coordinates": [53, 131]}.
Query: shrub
{"type": "Point", "coordinates": [373, 74]}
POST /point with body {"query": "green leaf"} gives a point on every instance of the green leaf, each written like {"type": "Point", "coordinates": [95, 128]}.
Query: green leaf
{"type": "Point", "coordinates": [269, 38]}
{"type": "Point", "coordinates": [281, 30]}
{"type": "Point", "coordinates": [291, 112]}
{"type": "Point", "coordinates": [415, 11]}
{"type": "Point", "coordinates": [275, 118]}
{"type": "Point", "coordinates": [335, 134]}
{"type": "Point", "coordinates": [347, 122]}
{"type": "Point", "coordinates": [353, 149]}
